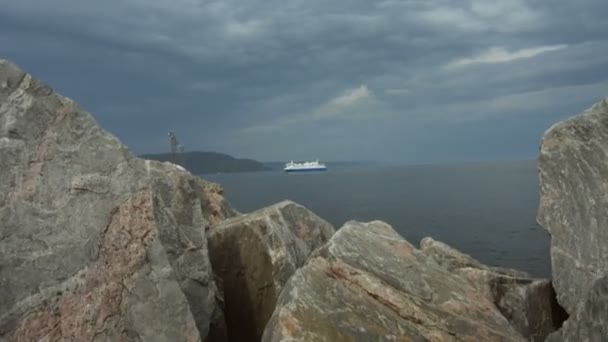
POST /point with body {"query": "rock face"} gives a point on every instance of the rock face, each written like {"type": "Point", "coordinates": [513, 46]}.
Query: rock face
{"type": "Point", "coordinates": [255, 254]}
{"type": "Point", "coordinates": [96, 244]}
{"type": "Point", "coordinates": [529, 304]}
{"type": "Point", "coordinates": [369, 284]}
{"type": "Point", "coordinates": [573, 205]}
{"type": "Point", "coordinates": [573, 209]}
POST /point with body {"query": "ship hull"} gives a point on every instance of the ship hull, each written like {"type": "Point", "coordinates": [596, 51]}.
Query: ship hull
{"type": "Point", "coordinates": [316, 169]}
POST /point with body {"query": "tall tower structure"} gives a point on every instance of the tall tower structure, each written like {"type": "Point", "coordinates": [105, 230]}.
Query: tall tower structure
{"type": "Point", "coordinates": [176, 148]}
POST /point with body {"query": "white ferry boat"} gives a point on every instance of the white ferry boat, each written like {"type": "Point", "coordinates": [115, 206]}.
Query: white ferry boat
{"type": "Point", "coordinates": [305, 166]}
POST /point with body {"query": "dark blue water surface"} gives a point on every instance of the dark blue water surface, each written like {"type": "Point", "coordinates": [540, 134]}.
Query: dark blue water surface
{"type": "Point", "coordinates": [484, 209]}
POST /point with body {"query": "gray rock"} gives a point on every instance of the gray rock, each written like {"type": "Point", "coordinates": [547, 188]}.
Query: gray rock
{"type": "Point", "coordinates": [96, 244]}
{"type": "Point", "coordinates": [369, 284]}
{"type": "Point", "coordinates": [452, 259]}
{"type": "Point", "coordinates": [529, 304]}
{"type": "Point", "coordinates": [588, 323]}
{"type": "Point", "coordinates": [255, 254]}
{"type": "Point", "coordinates": [573, 204]}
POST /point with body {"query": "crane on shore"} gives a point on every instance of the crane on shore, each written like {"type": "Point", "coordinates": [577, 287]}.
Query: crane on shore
{"type": "Point", "coordinates": [176, 149]}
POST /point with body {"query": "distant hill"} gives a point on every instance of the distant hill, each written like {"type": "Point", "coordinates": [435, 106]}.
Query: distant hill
{"type": "Point", "coordinates": [211, 162]}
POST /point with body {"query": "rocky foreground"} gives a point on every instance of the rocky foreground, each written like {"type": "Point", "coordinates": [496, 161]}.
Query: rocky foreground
{"type": "Point", "coordinates": [368, 283]}
{"type": "Point", "coordinates": [98, 245]}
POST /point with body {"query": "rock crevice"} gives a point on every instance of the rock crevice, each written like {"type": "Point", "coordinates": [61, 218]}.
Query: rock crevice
{"type": "Point", "coordinates": [255, 254]}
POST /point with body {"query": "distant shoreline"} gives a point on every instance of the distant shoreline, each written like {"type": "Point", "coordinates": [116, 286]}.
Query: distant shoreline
{"type": "Point", "coordinates": [202, 163]}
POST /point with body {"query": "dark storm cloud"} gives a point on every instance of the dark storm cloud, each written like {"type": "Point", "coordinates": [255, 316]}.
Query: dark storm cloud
{"type": "Point", "coordinates": [343, 79]}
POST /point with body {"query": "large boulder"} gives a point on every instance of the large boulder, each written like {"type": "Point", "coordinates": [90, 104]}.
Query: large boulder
{"type": "Point", "coordinates": [574, 210]}
{"type": "Point", "coordinates": [573, 203]}
{"type": "Point", "coordinates": [96, 244]}
{"type": "Point", "coordinates": [369, 284]}
{"type": "Point", "coordinates": [255, 254]}
{"type": "Point", "coordinates": [529, 304]}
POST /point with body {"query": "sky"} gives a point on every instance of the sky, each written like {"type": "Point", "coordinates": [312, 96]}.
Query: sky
{"type": "Point", "coordinates": [391, 80]}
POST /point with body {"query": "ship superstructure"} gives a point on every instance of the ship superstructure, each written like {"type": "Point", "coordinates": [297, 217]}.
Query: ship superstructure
{"type": "Point", "coordinates": [305, 166]}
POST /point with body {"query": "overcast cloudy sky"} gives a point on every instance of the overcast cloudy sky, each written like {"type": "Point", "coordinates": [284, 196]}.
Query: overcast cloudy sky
{"type": "Point", "coordinates": [398, 80]}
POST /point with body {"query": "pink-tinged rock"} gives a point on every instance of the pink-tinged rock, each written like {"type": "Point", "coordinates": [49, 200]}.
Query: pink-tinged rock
{"type": "Point", "coordinates": [94, 242]}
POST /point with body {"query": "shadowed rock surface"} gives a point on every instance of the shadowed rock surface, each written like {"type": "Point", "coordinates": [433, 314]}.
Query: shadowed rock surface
{"type": "Point", "coordinates": [96, 244]}
{"type": "Point", "coordinates": [529, 304]}
{"type": "Point", "coordinates": [369, 284]}
{"type": "Point", "coordinates": [255, 254]}
{"type": "Point", "coordinates": [573, 205]}
{"type": "Point", "coordinates": [589, 322]}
